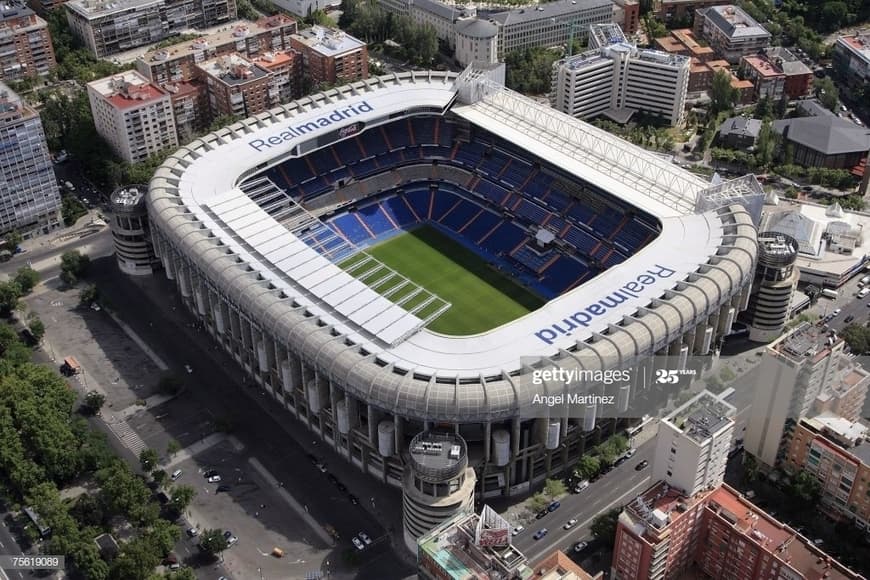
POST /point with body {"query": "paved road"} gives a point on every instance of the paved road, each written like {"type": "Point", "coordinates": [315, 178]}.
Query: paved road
{"type": "Point", "coordinates": [44, 256]}
{"type": "Point", "coordinates": [151, 307]}
{"type": "Point", "coordinates": [9, 547]}
{"type": "Point", "coordinates": [614, 489]}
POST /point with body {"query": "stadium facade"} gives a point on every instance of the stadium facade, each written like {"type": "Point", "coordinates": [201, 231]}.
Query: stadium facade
{"type": "Point", "coordinates": [636, 256]}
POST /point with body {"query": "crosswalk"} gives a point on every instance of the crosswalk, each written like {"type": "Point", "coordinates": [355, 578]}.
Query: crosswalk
{"type": "Point", "coordinates": [128, 436]}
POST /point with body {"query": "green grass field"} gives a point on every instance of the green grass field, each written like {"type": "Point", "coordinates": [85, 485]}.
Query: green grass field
{"type": "Point", "coordinates": [482, 297]}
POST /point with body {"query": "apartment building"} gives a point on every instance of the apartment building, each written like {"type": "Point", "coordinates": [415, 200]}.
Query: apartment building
{"type": "Point", "coordinates": [331, 56]}
{"type": "Point", "coordinates": [802, 373]}
{"type": "Point", "coordinates": [303, 8]}
{"type": "Point", "coordinates": [692, 444]}
{"type": "Point", "coordinates": [248, 39]}
{"type": "Point", "coordinates": [852, 57]}
{"type": "Point", "coordinates": [626, 13]}
{"type": "Point", "coordinates": [776, 72]}
{"type": "Point", "coordinates": [837, 452]}
{"type": "Point", "coordinates": [731, 32]}
{"type": "Point", "coordinates": [189, 107]}
{"type": "Point", "coordinates": [236, 86]}
{"type": "Point", "coordinates": [684, 42]}
{"type": "Point", "coordinates": [665, 533]}
{"type": "Point", "coordinates": [29, 195]}
{"type": "Point", "coordinates": [133, 115]}
{"type": "Point", "coordinates": [25, 45]}
{"type": "Point", "coordinates": [285, 69]}
{"type": "Point", "coordinates": [107, 27]}
{"type": "Point", "coordinates": [618, 80]}
{"type": "Point", "coordinates": [674, 12]}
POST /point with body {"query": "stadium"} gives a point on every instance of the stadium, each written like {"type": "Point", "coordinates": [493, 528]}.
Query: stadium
{"type": "Point", "coordinates": [380, 257]}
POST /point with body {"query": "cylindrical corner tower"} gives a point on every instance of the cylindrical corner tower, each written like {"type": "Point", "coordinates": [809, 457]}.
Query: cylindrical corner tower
{"type": "Point", "coordinates": [775, 281]}
{"type": "Point", "coordinates": [131, 234]}
{"type": "Point", "coordinates": [437, 484]}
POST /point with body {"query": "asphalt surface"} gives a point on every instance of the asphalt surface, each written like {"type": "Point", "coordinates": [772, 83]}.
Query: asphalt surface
{"type": "Point", "coordinates": [151, 308]}
{"type": "Point", "coordinates": [614, 489]}
{"type": "Point", "coordinates": [9, 547]}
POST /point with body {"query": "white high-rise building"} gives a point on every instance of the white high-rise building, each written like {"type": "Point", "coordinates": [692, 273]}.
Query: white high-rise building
{"type": "Point", "coordinates": [619, 79]}
{"type": "Point", "coordinates": [133, 115]}
{"type": "Point", "coordinates": [692, 444]}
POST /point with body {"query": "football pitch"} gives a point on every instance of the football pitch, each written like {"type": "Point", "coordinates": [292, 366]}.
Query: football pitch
{"type": "Point", "coordinates": [481, 297]}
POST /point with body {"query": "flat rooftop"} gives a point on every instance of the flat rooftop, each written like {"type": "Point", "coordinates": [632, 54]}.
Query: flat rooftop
{"type": "Point", "coordinates": [605, 34]}
{"type": "Point", "coordinates": [735, 22]}
{"type": "Point", "coordinates": [91, 9]}
{"type": "Point", "coordinates": [858, 43]}
{"type": "Point", "coordinates": [702, 417]}
{"type": "Point", "coordinates": [233, 70]}
{"type": "Point", "coordinates": [222, 36]}
{"type": "Point", "coordinates": [127, 89]}
{"type": "Point", "coordinates": [328, 41]}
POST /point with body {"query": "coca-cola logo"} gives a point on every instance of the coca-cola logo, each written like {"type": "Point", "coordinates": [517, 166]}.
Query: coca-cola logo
{"type": "Point", "coordinates": [348, 131]}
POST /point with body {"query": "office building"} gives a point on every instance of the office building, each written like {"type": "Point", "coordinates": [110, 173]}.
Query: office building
{"type": "Point", "coordinates": [776, 72]}
{"type": "Point", "coordinates": [836, 452]}
{"type": "Point", "coordinates": [692, 444]}
{"type": "Point", "coordinates": [248, 39]}
{"type": "Point", "coordinates": [440, 16]}
{"type": "Point", "coordinates": [437, 484]}
{"type": "Point", "coordinates": [133, 115]}
{"type": "Point", "coordinates": [852, 58]}
{"type": "Point", "coordinates": [776, 279]}
{"type": "Point", "coordinates": [131, 236]}
{"type": "Point", "coordinates": [665, 533]}
{"type": "Point", "coordinates": [107, 27]}
{"type": "Point", "coordinates": [235, 86]}
{"type": "Point", "coordinates": [618, 80]}
{"type": "Point", "coordinates": [331, 56]}
{"type": "Point", "coordinates": [548, 24]}
{"type": "Point", "coordinates": [801, 373]}
{"type": "Point", "coordinates": [731, 32]}
{"type": "Point", "coordinates": [25, 45]}
{"type": "Point", "coordinates": [468, 545]}
{"type": "Point", "coordinates": [29, 196]}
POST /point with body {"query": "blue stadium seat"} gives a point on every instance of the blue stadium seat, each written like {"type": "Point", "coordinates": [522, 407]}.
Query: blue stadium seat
{"type": "Point", "coordinates": [531, 211]}
{"type": "Point", "coordinates": [444, 201]}
{"type": "Point", "coordinates": [375, 219]}
{"type": "Point", "coordinates": [531, 259]}
{"type": "Point", "coordinates": [480, 226]}
{"type": "Point", "coordinates": [347, 151]}
{"type": "Point", "coordinates": [505, 238]}
{"type": "Point", "coordinates": [398, 210]}
{"type": "Point", "coordinates": [424, 130]}
{"type": "Point", "coordinates": [494, 193]}
{"type": "Point", "coordinates": [351, 228]}
{"type": "Point", "coordinates": [460, 215]}
{"type": "Point", "coordinates": [580, 239]}
{"type": "Point", "coordinates": [418, 198]}
{"type": "Point", "coordinates": [397, 134]}
{"type": "Point", "coordinates": [563, 273]}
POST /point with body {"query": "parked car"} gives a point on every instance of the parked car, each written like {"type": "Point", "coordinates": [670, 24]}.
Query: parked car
{"type": "Point", "coordinates": [849, 319]}
{"type": "Point", "coordinates": [214, 479]}
{"type": "Point", "coordinates": [365, 538]}
{"type": "Point", "coordinates": [540, 533]}
{"type": "Point", "coordinates": [570, 524]}
{"type": "Point", "coordinates": [630, 453]}
{"type": "Point", "coordinates": [516, 531]}
{"type": "Point", "coordinates": [192, 532]}
{"type": "Point", "coordinates": [581, 486]}
{"type": "Point", "coordinates": [641, 465]}
{"type": "Point", "coordinates": [554, 505]}
{"type": "Point", "coordinates": [358, 543]}
{"type": "Point", "coordinates": [541, 514]}
{"type": "Point", "coordinates": [836, 311]}
{"type": "Point", "coordinates": [580, 546]}
{"type": "Point", "coordinates": [210, 473]}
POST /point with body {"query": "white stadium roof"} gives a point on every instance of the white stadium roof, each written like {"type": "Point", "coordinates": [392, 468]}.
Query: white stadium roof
{"type": "Point", "coordinates": [210, 171]}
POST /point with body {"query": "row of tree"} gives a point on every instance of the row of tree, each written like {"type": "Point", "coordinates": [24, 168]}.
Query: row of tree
{"type": "Point", "coordinates": [601, 457]}
{"type": "Point", "coordinates": [530, 70]}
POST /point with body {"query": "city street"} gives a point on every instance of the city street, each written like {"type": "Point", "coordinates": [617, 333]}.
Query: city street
{"type": "Point", "coordinates": [616, 488]}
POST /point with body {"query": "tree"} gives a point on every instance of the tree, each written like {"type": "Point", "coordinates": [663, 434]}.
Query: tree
{"type": "Point", "coordinates": [26, 278]}
{"type": "Point", "coordinates": [539, 502]}
{"type": "Point", "coordinates": [722, 95]}
{"type": "Point", "coordinates": [766, 145]}
{"type": "Point", "coordinates": [159, 476]}
{"type": "Point", "coordinates": [182, 495]}
{"type": "Point", "coordinates": [604, 525]}
{"type": "Point", "coordinates": [529, 70]}
{"type": "Point", "coordinates": [94, 401]}
{"type": "Point", "coordinates": [73, 265]}
{"type": "Point", "coordinates": [173, 447]}
{"type": "Point", "coordinates": [10, 293]}
{"type": "Point", "coordinates": [184, 573]}
{"type": "Point", "coordinates": [588, 466]}
{"type": "Point", "coordinates": [805, 487]}
{"type": "Point", "coordinates": [37, 328]}
{"type": "Point", "coordinates": [857, 337]}
{"type": "Point", "coordinates": [213, 541]}
{"type": "Point", "coordinates": [89, 295]}
{"type": "Point", "coordinates": [148, 459]}
{"type": "Point", "coordinates": [13, 238]}
{"type": "Point", "coordinates": [833, 16]}
{"type": "Point", "coordinates": [826, 91]}
{"type": "Point", "coordinates": [554, 488]}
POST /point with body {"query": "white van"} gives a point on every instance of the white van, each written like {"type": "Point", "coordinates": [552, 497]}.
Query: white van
{"type": "Point", "coordinates": [828, 293]}
{"type": "Point", "coordinates": [176, 474]}
{"type": "Point", "coordinates": [863, 292]}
